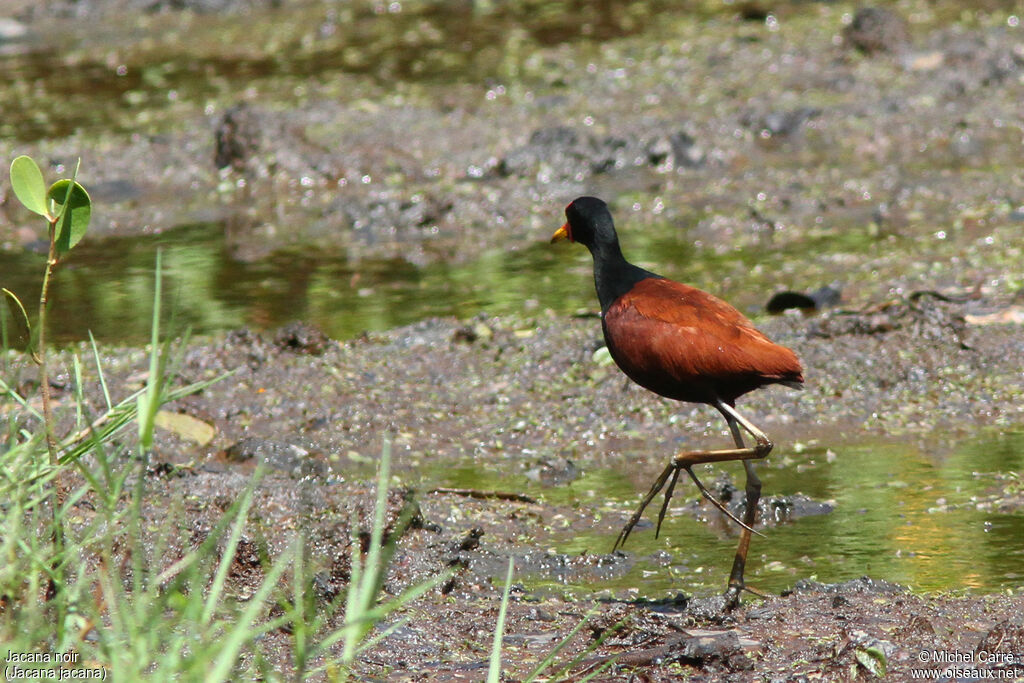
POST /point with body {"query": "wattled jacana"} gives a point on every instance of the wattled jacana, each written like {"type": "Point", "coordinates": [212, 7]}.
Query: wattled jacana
{"type": "Point", "coordinates": [687, 345]}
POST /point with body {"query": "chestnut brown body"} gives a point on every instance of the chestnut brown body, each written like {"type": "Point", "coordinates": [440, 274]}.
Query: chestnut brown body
{"type": "Point", "coordinates": [685, 344]}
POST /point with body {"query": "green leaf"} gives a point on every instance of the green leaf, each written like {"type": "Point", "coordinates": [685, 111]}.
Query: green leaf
{"type": "Point", "coordinates": [72, 203]}
{"type": "Point", "coordinates": [30, 345]}
{"type": "Point", "coordinates": [602, 357]}
{"type": "Point", "coordinates": [185, 426]}
{"type": "Point", "coordinates": [27, 182]}
{"type": "Point", "coordinates": [873, 659]}
{"type": "Point", "coordinates": [21, 309]}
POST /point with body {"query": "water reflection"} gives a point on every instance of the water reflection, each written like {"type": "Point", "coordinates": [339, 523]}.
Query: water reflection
{"type": "Point", "coordinates": [106, 286]}
{"type": "Point", "coordinates": [901, 515]}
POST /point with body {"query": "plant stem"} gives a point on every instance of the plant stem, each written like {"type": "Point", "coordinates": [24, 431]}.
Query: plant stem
{"type": "Point", "coordinates": [57, 501]}
{"type": "Point", "coordinates": [44, 375]}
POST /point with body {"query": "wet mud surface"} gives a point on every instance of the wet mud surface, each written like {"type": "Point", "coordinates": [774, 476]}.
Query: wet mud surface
{"type": "Point", "coordinates": [526, 399]}
{"type": "Point", "coordinates": [877, 150]}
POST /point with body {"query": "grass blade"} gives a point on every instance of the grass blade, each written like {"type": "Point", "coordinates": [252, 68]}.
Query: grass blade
{"type": "Point", "coordinates": [217, 588]}
{"type": "Point", "coordinates": [99, 371]}
{"type": "Point", "coordinates": [494, 670]}
{"type": "Point", "coordinates": [244, 629]}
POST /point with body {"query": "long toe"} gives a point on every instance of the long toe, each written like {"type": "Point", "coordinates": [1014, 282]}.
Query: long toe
{"type": "Point", "coordinates": [658, 485]}
{"type": "Point", "coordinates": [732, 596]}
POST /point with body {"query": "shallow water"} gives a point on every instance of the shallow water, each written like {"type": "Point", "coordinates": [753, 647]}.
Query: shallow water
{"type": "Point", "coordinates": [211, 286]}
{"type": "Point", "coordinates": [387, 42]}
{"type": "Point", "coordinates": [106, 286]}
{"type": "Point", "coordinates": [930, 524]}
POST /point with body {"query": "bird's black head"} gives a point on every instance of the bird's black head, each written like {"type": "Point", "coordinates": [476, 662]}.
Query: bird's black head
{"type": "Point", "coordinates": [589, 223]}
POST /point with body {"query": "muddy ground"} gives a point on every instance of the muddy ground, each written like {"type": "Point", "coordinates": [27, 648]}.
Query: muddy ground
{"type": "Point", "coordinates": [526, 395]}
{"type": "Point", "coordinates": [769, 127]}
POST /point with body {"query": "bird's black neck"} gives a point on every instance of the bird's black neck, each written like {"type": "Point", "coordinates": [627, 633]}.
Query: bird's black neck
{"type": "Point", "coordinates": [613, 274]}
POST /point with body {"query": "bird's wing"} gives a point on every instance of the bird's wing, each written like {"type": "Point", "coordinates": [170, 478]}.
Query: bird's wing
{"type": "Point", "coordinates": [690, 334]}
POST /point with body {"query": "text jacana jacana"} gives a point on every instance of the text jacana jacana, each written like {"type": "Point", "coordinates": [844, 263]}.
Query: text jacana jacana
{"type": "Point", "coordinates": [684, 344]}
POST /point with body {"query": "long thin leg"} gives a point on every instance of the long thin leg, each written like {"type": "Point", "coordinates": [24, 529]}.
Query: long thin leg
{"type": "Point", "coordinates": [688, 459]}
{"type": "Point", "coordinates": [753, 491]}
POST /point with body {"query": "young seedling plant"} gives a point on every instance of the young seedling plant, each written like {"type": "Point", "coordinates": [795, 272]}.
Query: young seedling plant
{"type": "Point", "coordinates": [66, 208]}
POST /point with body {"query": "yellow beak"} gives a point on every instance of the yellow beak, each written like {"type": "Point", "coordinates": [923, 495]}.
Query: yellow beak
{"type": "Point", "coordinates": [561, 234]}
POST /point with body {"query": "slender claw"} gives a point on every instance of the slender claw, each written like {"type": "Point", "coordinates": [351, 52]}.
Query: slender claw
{"type": "Point", "coordinates": [659, 483]}
{"type": "Point", "coordinates": [668, 497]}
{"type": "Point", "coordinates": [758, 593]}
{"type": "Point", "coordinates": [718, 504]}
